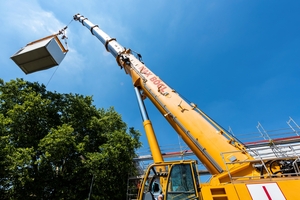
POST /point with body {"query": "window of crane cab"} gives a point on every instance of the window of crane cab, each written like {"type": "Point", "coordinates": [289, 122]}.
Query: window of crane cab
{"type": "Point", "coordinates": [152, 187]}
{"type": "Point", "coordinates": [182, 182]}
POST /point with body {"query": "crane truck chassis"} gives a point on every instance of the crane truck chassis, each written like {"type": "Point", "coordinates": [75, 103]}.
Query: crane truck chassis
{"type": "Point", "coordinates": [235, 172]}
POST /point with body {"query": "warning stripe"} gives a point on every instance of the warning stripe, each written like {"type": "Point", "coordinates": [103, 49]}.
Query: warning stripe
{"type": "Point", "coordinates": [267, 193]}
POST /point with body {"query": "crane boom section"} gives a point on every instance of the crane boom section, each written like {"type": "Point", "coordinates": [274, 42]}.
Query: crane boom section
{"type": "Point", "coordinates": [204, 139]}
{"type": "Point", "coordinates": [201, 135]}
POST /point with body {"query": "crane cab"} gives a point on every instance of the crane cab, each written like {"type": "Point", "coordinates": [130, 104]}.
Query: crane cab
{"type": "Point", "coordinates": [178, 181]}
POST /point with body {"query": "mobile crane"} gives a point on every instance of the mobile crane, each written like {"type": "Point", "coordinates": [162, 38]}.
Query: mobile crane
{"type": "Point", "coordinates": [236, 174]}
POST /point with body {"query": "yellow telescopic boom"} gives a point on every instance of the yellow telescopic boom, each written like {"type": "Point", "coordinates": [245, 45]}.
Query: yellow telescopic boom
{"type": "Point", "coordinates": [204, 138]}
{"type": "Point", "coordinates": [235, 173]}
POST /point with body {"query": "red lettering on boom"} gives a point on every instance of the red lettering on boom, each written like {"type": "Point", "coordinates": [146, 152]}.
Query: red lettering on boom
{"type": "Point", "coordinates": [157, 82]}
{"type": "Point", "coordinates": [145, 71]}
{"type": "Point", "coordinates": [153, 79]}
{"type": "Point", "coordinates": [161, 87]}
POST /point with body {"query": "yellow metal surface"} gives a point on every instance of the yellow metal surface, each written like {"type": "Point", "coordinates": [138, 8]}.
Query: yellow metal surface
{"type": "Point", "coordinates": [235, 173]}
{"type": "Point", "coordinates": [202, 131]}
{"type": "Point", "coordinates": [237, 165]}
{"type": "Point", "coordinates": [153, 144]}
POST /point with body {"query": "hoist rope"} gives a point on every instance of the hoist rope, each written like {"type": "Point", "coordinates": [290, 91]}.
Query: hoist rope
{"type": "Point", "coordinates": [52, 76]}
{"type": "Point", "coordinates": [64, 37]}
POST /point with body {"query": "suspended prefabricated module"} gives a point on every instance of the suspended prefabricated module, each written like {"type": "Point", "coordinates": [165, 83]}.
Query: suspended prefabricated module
{"type": "Point", "coordinates": [40, 55]}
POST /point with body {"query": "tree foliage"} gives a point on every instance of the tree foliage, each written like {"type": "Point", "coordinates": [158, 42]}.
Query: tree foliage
{"type": "Point", "coordinates": [60, 146]}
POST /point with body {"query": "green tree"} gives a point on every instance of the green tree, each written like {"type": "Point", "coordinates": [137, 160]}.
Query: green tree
{"type": "Point", "coordinates": [60, 146]}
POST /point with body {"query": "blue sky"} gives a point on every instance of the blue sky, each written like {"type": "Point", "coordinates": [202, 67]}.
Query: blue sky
{"type": "Point", "coordinates": [237, 60]}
